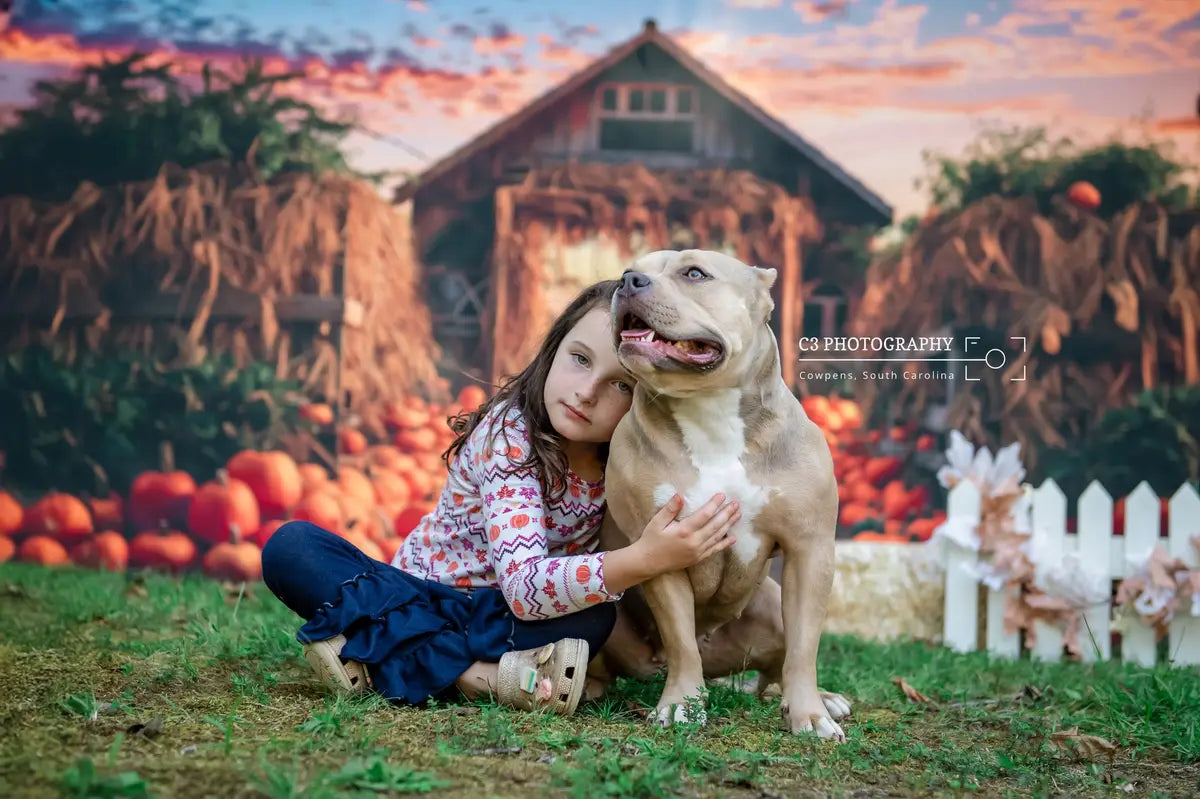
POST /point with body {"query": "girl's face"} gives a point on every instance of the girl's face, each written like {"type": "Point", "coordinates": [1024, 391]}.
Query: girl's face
{"type": "Point", "coordinates": [587, 389]}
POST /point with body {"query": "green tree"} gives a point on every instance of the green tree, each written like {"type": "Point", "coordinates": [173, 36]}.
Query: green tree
{"type": "Point", "coordinates": [123, 120]}
{"type": "Point", "coordinates": [1022, 162]}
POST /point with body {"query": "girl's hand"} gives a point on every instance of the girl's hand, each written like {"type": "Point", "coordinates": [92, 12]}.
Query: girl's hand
{"type": "Point", "coordinates": [671, 544]}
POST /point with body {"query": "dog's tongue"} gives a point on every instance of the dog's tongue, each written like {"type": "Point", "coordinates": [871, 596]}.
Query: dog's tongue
{"type": "Point", "coordinates": [685, 350]}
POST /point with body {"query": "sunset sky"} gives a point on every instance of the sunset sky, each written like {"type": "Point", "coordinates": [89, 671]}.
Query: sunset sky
{"type": "Point", "coordinates": [870, 82]}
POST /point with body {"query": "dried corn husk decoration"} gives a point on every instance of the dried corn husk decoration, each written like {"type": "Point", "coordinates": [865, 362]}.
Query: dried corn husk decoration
{"type": "Point", "coordinates": [1123, 291]}
{"type": "Point", "coordinates": [203, 229]}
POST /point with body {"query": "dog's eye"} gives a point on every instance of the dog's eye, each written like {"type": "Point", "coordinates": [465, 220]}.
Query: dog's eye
{"type": "Point", "coordinates": [694, 273]}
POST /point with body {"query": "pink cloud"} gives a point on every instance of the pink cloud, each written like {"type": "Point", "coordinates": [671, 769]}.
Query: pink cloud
{"type": "Point", "coordinates": [498, 42]}
{"type": "Point", "coordinates": [565, 55]}
{"type": "Point", "coordinates": [815, 11]}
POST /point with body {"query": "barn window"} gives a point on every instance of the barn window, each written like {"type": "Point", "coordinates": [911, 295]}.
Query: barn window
{"type": "Point", "coordinates": [647, 116]}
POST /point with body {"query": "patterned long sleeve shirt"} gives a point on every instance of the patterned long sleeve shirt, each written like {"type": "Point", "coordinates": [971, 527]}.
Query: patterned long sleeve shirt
{"type": "Point", "coordinates": [493, 527]}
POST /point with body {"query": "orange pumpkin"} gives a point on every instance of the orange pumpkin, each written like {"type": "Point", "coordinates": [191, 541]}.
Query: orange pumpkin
{"type": "Point", "coordinates": [416, 439]}
{"type": "Point", "coordinates": [234, 559]}
{"type": "Point", "coordinates": [108, 513]}
{"type": "Point", "coordinates": [312, 477]}
{"type": "Point", "coordinates": [353, 483]}
{"type": "Point", "coordinates": [408, 414]}
{"type": "Point", "coordinates": [392, 491]}
{"type": "Point", "coordinates": [881, 538]}
{"type": "Point", "coordinates": [386, 456]}
{"type": "Point", "coordinates": [273, 478]}
{"type": "Point", "coordinates": [219, 505]}
{"type": "Point", "coordinates": [895, 500]}
{"type": "Point", "coordinates": [162, 549]}
{"type": "Point", "coordinates": [268, 529]}
{"type": "Point", "coordinates": [158, 496]}
{"type": "Point", "coordinates": [60, 516]}
{"type": "Point", "coordinates": [849, 412]}
{"type": "Point", "coordinates": [351, 441]}
{"type": "Point", "coordinates": [317, 412]}
{"type": "Point", "coordinates": [7, 549]}
{"type": "Point", "coordinates": [322, 508]}
{"type": "Point", "coordinates": [44, 550]}
{"type": "Point", "coordinates": [864, 493]}
{"type": "Point", "coordinates": [360, 517]}
{"type": "Point", "coordinates": [364, 544]}
{"type": "Point", "coordinates": [877, 471]}
{"type": "Point", "coordinates": [420, 483]}
{"type": "Point", "coordinates": [389, 546]}
{"type": "Point", "coordinates": [852, 513]}
{"type": "Point", "coordinates": [922, 529]}
{"type": "Point", "coordinates": [471, 397]}
{"type": "Point", "coordinates": [12, 515]}
{"type": "Point", "coordinates": [108, 551]}
{"type": "Point", "coordinates": [1084, 195]}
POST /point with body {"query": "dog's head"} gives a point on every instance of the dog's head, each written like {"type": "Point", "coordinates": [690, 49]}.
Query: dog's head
{"type": "Point", "coordinates": [686, 320]}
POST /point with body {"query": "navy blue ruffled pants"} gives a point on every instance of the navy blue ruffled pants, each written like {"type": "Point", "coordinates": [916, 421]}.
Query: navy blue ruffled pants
{"type": "Point", "coordinates": [414, 636]}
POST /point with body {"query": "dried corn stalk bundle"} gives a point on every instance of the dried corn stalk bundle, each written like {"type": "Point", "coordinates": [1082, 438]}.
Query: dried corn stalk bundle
{"type": "Point", "coordinates": [639, 210]}
{"type": "Point", "coordinates": [204, 230]}
{"type": "Point", "coordinates": [1104, 307]}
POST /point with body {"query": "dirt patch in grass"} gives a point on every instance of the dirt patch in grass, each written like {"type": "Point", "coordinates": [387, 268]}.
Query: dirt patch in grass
{"type": "Point", "coordinates": [130, 686]}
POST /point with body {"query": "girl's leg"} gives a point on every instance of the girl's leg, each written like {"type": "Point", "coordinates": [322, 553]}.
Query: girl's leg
{"type": "Point", "coordinates": [593, 625]}
{"type": "Point", "coordinates": [305, 565]}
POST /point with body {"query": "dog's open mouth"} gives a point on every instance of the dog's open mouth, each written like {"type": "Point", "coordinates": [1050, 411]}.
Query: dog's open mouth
{"type": "Point", "coordinates": [697, 351]}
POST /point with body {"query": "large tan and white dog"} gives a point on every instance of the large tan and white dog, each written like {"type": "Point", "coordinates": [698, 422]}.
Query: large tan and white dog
{"type": "Point", "coordinates": [710, 414]}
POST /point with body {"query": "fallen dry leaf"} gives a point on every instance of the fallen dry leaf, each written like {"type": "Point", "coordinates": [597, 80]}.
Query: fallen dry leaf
{"type": "Point", "coordinates": [912, 693]}
{"type": "Point", "coordinates": [637, 709]}
{"type": "Point", "coordinates": [1085, 745]}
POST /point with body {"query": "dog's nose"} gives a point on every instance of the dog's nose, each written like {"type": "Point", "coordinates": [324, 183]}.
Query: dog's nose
{"type": "Point", "coordinates": [634, 281]}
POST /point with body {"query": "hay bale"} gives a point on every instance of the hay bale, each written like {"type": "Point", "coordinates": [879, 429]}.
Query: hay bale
{"type": "Point", "coordinates": [219, 227]}
{"type": "Point", "coordinates": [1092, 299]}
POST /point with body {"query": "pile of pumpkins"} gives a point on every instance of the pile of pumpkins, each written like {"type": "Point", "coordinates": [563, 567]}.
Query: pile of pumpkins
{"type": "Point", "coordinates": [374, 497]}
{"type": "Point", "coordinates": [874, 499]}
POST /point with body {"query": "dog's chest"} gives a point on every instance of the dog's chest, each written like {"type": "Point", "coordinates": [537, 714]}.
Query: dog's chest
{"type": "Point", "coordinates": [715, 443]}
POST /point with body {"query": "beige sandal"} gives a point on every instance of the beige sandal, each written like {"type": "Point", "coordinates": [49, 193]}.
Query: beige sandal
{"type": "Point", "coordinates": [344, 676]}
{"type": "Point", "coordinates": [549, 678]}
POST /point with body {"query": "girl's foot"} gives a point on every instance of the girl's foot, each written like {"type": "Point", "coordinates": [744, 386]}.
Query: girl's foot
{"type": "Point", "coordinates": [550, 678]}
{"type": "Point", "coordinates": [344, 676]}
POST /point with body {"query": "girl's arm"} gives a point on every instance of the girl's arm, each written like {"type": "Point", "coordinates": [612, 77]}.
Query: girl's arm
{"type": "Point", "coordinates": [515, 517]}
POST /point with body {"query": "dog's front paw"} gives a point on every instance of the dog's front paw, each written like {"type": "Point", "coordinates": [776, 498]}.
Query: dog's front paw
{"type": "Point", "coordinates": [687, 713]}
{"type": "Point", "coordinates": [817, 719]}
{"type": "Point", "coordinates": [837, 705]}
{"type": "Point", "coordinates": [681, 705]}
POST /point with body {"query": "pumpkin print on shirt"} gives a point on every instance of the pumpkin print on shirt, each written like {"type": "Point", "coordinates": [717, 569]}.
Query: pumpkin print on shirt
{"type": "Point", "coordinates": [493, 528]}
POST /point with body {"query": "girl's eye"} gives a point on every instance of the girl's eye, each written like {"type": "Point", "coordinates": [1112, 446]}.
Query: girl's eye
{"type": "Point", "coordinates": [694, 273]}
{"type": "Point", "coordinates": [580, 359]}
{"type": "Point", "coordinates": [624, 387]}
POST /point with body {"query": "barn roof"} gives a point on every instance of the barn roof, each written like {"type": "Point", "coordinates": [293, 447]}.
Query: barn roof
{"type": "Point", "coordinates": [650, 34]}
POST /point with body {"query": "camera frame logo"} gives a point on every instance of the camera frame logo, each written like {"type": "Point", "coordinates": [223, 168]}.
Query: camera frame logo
{"type": "Point", "coordinates": [993, 359]}
{"type": "Point", "coordinates": [901, 349]}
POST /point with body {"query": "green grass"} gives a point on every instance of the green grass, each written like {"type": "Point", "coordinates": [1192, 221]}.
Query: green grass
{"type": "Point", "coordinates": [121, 686]}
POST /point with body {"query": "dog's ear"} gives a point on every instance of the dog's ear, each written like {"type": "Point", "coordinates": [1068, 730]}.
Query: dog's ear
{"type": "Point", "coordinates": [766, 277]}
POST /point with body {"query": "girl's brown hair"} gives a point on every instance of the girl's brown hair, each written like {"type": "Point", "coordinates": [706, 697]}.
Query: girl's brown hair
{"type": "Point", "coordinates": [527, 391]}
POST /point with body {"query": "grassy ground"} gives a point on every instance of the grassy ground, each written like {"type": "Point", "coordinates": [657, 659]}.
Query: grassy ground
{"type": "Point", "coordinates": [132, 686]}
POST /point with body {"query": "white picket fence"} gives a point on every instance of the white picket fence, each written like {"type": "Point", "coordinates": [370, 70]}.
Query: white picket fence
{"type": "Point", "coordinates": [1099, 550]}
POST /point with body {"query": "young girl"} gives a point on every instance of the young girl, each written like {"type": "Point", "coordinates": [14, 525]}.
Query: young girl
{"type": "Point", "coordinates": [499, 589]}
